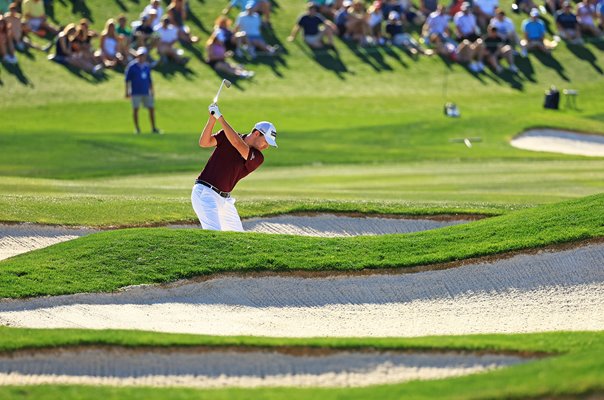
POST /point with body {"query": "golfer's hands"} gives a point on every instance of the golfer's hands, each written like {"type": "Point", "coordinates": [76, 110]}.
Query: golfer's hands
{"type": "Point", "coordinates": [214, 111]}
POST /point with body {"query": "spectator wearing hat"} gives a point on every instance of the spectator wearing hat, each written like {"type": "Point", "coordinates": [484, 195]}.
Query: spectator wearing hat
{"type": "Point", "coordinates": [155, 10]}
{"type": "Point", "coordinates": [437, 23]}
{"type": "Point", "coordinates": [167, 35]}
{"type": "Point", "coordinates": [143, 33]}
{"type": "Point", "coordinates": [35, 18]}
{"type": "Point", "coordinates": [496, 49]}
{"type": "Point", "coordinates": [398, 36]}
{"type": "Point", "coordinates": [568, 26]}
{"type": "Point", "coordinates": [505, 28]}
{"type": "Point", "coordinates": [341, 17]}
{"type": "Point", "coordinates": [357, 24]}
{"type": "Point", "coordinates": [587, 17]}
{"type": "Point", "coordinates": [66, 51]}
{"type": "Point", "coordinates": [534, 34]}
{"type": "Point", "coordinates": [316, 28]}
{"type": "Point", "coordinates": [139, 88]}
{"type": "Point", "coordinates": [249, 23]}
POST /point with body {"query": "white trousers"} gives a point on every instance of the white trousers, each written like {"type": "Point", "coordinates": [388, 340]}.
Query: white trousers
{"type": "Point", "coordinates": [215, 212]}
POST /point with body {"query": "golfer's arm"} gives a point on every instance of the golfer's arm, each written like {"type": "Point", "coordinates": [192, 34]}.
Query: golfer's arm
{"type": "Point", "coordinates": [206, 139]}
{"type": "Point", "coordinates": [234, 138]}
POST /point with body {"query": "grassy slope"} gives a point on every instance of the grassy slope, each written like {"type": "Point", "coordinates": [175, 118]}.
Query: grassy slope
{"type": "Point", "coordinates": [384, 111]}
{"type": "Point", "coordinates": [579, 367]}
{"type": "Point", "coordinates": [109, 260]}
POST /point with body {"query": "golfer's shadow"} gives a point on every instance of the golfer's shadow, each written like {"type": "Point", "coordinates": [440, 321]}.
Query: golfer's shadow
{"type": "Point", "coordinates": [326, 59]}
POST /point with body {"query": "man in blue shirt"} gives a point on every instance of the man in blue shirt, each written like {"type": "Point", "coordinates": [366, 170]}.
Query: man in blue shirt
{"type": "Point", "coordinates": [139, 87]}
{"type": "Point", "coordinates": [534, 34]}
{"type": "Point", "coordinates": [315, 27]}
{"type": "Point", "coordinates": [568, 26]}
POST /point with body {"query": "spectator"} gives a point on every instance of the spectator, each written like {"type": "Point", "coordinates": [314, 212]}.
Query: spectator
{"type": "Point", "coordinates": [232, 41]}
{"type": "Point", "coordinates": [465, 24]}
{"type": "Point", "coordinates": [217, 55]}
{"type": "Point", "coordinates": [326, 8]}
{"type": "Point", "coordinates": [143, 33]}
{"type": "Point", "coordinates": [7, 48]}
{"type": "Point", "coordinates": [177, 11]}
{"type": "Point", "coordinates": [464, 52]}
{"type": "Point", "coordinates": [20, 40]}
{"type": "Point", "coordinates": [168, 36]}
{"type": "Point", "coordinates": [250, 23]}
{"type": "Point", "coordinates": [410, 14]}
{"type": "Point", "coordinates": [398, 37]}
{"type": "Point", "coordinates": [81, 48]}
{"type": "Point", "coordinates": [122, 29]}
{"type": "Point", "coordinates": [534, 34]}
{"type": "Point", "coordinates": [88, 35]}
{"type": "Point", "coordinates": [505, 28]}
{"type": "Point", "coordinates": [139, 88]}
{"type": "Point", "coordinates": [587, 17]}
{"type": "Point", "coordinates": [496, 49]}
{"type": "Point", "coordinates": [262, 7]}
{"type": "Point", "coordinates": [111, 52]}
{"type": "Point", "coordinates": [35, 18]}
{"type": "Point", "coordinates": [568, 26]}
{"type": "Point", "coordinates": [315, 28]}
{"type": "Point", "coordinates": [357, 25]}
{"type": "Point", "coordinates": [600, 14]}
{"type": "Point", "coordinates": [437, 23]}
{"type": "Point", "coordinates": [64, 53]}
{"type": "Point", "coordinates": [484, 11]}
{"type": "Point", "coordinates": [155, 6]}
{"type": "Point", "coordinates": [374, 20]}
{"type": "Point", "coordinates": [341, 17]}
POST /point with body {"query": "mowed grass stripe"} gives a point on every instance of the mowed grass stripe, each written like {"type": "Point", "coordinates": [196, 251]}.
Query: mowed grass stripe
{"type": "Point", "coordinates": [109, 260]}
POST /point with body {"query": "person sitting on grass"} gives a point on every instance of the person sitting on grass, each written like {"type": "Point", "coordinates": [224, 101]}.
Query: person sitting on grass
{"type": "Point", "coordinates": [466, 26]}
{"type": "Point", "coordinates": [35, 18]}
{"type": "Point", "coordinates": [217, 55]}
{"type": "Point", "coordinates": [505, 28]}
{"type": "Point", "coordinates": [112, 51]}
{"type": "Point", "coordinates": [122, 29]}
{"type": "Point", "coordinates": [168, 36]}
{"type": "Point", "coordinates": [82, 51]}
{"type": "Point", "coordinates": [496, 49]}
{"type": "Point", "coordinates": [398, 37]}
{"type": "Point", "coordinates": [484, 11]}
{"type": "Point", "coordinates": [177, 11]}
{"type": "Point", "coordinates": [315, 28]}
{"type": "Point", "coordinates": [568, 26]}
{"type": "Point", "coordinates": [7, 48]}
{"type": "Point", "coordinates": [357, 24]}
{"type": "Point", "coordinates": [249, 23]}
{"type": "Point", "coordinates": [587, 17]}
{"type": "Point", "coordinates": [437, 23]}
{"type": "Point", "coordinates": [154, 7]}
{"type": "Point", "coordinates": [464, 52]}
{"type": "Point", "coordinates": [534, 35]}
{"type": "Point", "coordinates": [233, 41]}
{"type": "Point", "coordinates": [20, 39]}
{"type": "Point", "coordinates": [65, 55]}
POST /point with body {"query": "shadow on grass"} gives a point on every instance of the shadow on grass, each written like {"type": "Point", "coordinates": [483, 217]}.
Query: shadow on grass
{"type": "Point", "coordinates": [549, 61]}
{"type": "Point", "coordinates": [326, 58]}
{"type": "Point", "coordinates": [121, 5]}
{"type": "Point", "coordinates": [368, 55]}
{"type": "Point", "coordinates": [15, 69]}
{"type": "Point", "coordinates": [80, 7]}
{"type": "Point", "coordinates": [391, 51]}
{"type": "Point", "coordinates": [583, 53]}
{"type": "Point", "coordinates": [526, 68]}
{"type": "Point", "coordinates": [197, 22]}
{"type": "Point", "coordinates": [170, 69]}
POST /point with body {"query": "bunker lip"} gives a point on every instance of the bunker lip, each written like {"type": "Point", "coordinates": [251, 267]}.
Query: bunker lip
{"type": "Point", "coordinates": [224, 368]}
{"type": "Point", "coordinates": [553, 140]}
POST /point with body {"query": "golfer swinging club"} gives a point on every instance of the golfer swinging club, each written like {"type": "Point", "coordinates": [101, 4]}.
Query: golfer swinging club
{"type": "Point", "coordinates": [233, 158]}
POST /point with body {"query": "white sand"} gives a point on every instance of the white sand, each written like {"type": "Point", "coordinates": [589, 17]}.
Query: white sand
{"type": "Point", "coordinates": [550, 291]}
{"type": "Point", "coordinates": [181, 367]}
{"type": "Point", "coordinates": [18, 239]}
{"type": "Point", "coordinates": [558, 141]}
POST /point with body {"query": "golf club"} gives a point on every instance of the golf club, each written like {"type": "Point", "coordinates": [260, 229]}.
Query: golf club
{"type": "Point", "coordinates": [225, 82]}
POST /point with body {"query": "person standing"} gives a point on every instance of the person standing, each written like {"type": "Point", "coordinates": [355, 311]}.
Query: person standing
{"type": "Point", "coordinates": [139, 88]}
{"type": "Point", "coordinates": [235, 156]}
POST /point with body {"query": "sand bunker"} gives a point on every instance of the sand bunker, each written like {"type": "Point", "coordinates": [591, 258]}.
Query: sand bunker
{"type": "Point", "coordinates": [558, 141]}
{"type": "Point", "coordinates": [215, 368]}
{"type": "Point", "coordinates": [549, 291]}
{"type": "Point", "coordinates": [18, 239]}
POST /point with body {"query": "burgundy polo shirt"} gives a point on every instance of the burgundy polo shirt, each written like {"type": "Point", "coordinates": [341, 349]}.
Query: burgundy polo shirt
{"type": "Point", "coordinates": [226, 166]}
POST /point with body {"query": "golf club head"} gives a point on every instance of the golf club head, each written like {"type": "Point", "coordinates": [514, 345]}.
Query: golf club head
{"type": "Point", "coordinates": [227, 83]}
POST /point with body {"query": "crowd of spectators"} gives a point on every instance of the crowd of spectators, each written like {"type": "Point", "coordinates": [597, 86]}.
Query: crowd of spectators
{"type": "Point", "coordinates": [477, 33]}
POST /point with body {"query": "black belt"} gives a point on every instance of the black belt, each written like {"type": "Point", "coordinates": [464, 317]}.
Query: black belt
{"type": "Point", "coordinates": [226, 195]}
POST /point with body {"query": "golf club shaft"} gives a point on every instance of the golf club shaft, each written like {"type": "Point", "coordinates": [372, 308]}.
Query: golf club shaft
{"type": "Point", "coordinates": [218, 93]}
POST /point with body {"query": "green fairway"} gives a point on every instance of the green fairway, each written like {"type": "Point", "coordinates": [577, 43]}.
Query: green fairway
{"type": "Point", "coordinates": [574, 367]}
{"type": "Point", "coordinates": [359, 131]}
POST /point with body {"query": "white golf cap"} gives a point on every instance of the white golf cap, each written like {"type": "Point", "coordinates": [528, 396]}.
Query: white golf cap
{"type": "Point", "coordinates": [534, 12]}
{"type": "Point", "coordinates": [141, 50]}
{"type": "Point", "coordinates": [269, 131]}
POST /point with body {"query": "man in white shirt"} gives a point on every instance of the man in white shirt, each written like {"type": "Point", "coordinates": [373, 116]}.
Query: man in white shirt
{"type": "Point", "coordinates": [168, 36]}
{"type": "Point", "coordinates": [159, 11]}
{"type": "Point", "coordinates": [437, 23]}
{"type": "Point", "coordinates": [505, 28]}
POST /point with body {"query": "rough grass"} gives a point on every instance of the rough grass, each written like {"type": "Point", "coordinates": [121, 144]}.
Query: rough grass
{"type": "Point", "coordinates": [109, 260]}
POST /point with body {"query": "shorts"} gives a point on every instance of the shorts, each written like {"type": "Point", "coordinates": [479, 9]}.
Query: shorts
{"type": "Point", "coordinates": [146, 100]}
{"type": "Point", "coordinates": [314, 40]}
{"type": "Point", "coordinates": [35, 24]}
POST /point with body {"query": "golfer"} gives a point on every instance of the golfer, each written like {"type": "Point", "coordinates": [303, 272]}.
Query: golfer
{"type": "Point", "coordinates": [234, 157]}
